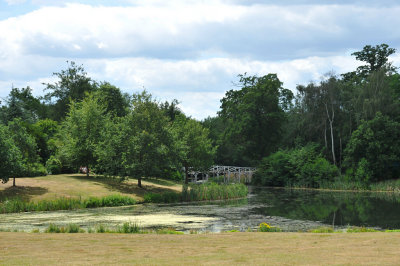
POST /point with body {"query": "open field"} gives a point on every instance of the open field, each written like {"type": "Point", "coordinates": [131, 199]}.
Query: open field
{"type": "Point", "coordinates": [78, 185]}
{"type": "Point", "coordinates": [215, 249]}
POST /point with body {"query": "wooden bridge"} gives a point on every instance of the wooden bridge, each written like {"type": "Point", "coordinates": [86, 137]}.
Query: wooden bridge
{"type": "Point", "coordinates": [230, 174]}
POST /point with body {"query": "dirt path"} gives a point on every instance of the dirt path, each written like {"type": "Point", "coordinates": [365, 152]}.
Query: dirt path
{"type": "Point", "coordinates": [215, 249]}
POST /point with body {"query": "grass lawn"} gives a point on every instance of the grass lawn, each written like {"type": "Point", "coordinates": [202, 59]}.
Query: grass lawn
{"type": "Point", "coordinates": [78, 185]}
{"type": "Point", "coordinates": [215, 249]}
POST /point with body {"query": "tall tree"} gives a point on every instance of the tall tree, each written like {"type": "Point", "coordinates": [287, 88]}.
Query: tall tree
{"type": "Point", "coordinates": [10, 156]}
{"type": "Point", "coordinates": [20, 103]}
{"type": "Point", "coordinates": [81, 132]}
{"type": "Point", "coordinates": [146, 139]}
{"type": "Point", "coordinates": [72, 85]}
{"type": "Point", "coordinates": [254, 117]}
{"type": "Point", "coordinates": [115, 102]}
{"type": "Point", "coordinates": [195, 150]}
{"type": "Point", "coordinates": [26, 144]}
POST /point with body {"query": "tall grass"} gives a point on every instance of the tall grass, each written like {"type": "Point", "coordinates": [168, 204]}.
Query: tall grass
{"type": "Point", "coordinates": [200, 192]}
{"type": "Point", "coordinates": [17, 205]}
{"type": "Point", "coordinates": [213, 191]}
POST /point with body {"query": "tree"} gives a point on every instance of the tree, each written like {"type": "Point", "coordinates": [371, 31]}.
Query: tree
{"type": "Point", "coordinates": [254, 116]}
{"type": "Point", "coordinates": [73, 84]}
{"type": "Point", "coordinates": [146, 139]}
{"type": "Point", "coordinates": [376, 58]}
{"type": "Point", "coordinates": [26, 144]}
{"type": "Point", "coordinates": [10, 156]}
{"type": "Point", "coordinates": [114, 101]}
{"type": "Point", "coordinates": [81, 132]}
{"type": "Point", "coordinates": [20, 103]}
{"type": "Point", "coordinates": [373, 152]}
{"type": "Point", "coordinates": [171, 110]}
{"type": "Point", "coordinates": [195, 150]}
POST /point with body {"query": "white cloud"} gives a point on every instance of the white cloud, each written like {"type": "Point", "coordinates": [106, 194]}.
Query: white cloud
{"type": "Point", "coordinates": [189, 50]}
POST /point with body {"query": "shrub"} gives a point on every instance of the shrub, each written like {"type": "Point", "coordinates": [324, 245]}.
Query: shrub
{"type": "Point", "coordinates": [264, 227]}
{"type": "Point", "coordinates": [53, 165]}
{"type": "Point", "coordinates": [303, 167]}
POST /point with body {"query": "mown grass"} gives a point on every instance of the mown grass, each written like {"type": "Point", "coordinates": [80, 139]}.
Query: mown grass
{"type": "Point", "coordinates": [200, 249]}
{"type": "Point", "coordinates": [79, 186]}
{"type": "Point", "coordinates": [17, 205]}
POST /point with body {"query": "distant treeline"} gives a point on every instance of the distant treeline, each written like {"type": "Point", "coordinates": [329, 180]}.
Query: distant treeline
{"type": "Point", "coordinates": [343, 128]}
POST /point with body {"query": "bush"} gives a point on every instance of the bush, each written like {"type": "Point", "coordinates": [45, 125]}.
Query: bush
{"type": "Point", "coordinates": [303, 167]}
{"type": "Point", "coordinates": [264, 227]}
{"type": "Point", "coordinates": [53, 165]}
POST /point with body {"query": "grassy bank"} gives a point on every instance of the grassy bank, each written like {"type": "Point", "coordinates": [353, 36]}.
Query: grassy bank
{"type": "Point", "coordinates": [79, 186]}
{"type": "Point", "coordinates": [216, 249]}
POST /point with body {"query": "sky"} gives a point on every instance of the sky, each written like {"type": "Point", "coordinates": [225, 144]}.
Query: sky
{"type": "Point", "coordinates": [192, 51]}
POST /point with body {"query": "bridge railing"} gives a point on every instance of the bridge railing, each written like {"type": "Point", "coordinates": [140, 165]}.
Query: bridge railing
{"type": "Point", "coordinates": [229, 174]}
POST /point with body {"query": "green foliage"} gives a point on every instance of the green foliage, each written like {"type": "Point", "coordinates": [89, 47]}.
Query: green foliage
{"type": "Point", "coordinates": [213, 191]}
{"type": "Point", "coordinates": [129, 228]}
{"type": "Point", "coordinates": [193, 147]}
{"type": "Point", "coordinates": [73, 84]}
{"type": "Point", "coordinates": [373, 151]}
{"type": "Point", "coordinates": [322, 230]}
{"type": "Point", "coordinates": [264, 227]}
{"type": "Point", "coordinates": [71, 228]}
{"type": "Point", "coordinates": [53, 165]}
{"type": "Point", "coordinates": [360, 230]}
{"type": "Point", "coordinates": [146, 139]}
{"type": "Point", "coordinates": [253, 117]}
{"type": "Point", "coordinates": [166, 197]}
{"type": "Point", "coordinates": [199, 192]}
{"type": "Point", "coordinates": [303, 167]}
{"type": "Point", "coordinates": [81, 132]}
{"type": "Point", "coordinates": [53, 228]}
{"type": "Point", "coordinates": [115, 102]}
{"type": "Point", "coordinates": [16, 205]}
{"type": "Point", "coordinates": [109, 201]}
{"type": "Point", "coordinates": [10, 156]}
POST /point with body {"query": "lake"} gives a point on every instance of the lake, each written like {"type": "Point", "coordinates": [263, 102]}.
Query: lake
{"type": "Point", "coordinates": [291, 210]}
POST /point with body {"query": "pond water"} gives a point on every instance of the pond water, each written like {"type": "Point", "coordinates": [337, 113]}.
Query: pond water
{"type": "Point", "coordinates": [291, 210]}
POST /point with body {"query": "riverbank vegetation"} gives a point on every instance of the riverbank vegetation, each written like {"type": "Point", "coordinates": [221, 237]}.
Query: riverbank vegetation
{"type": "Point", "coordinates": [200, 192]}
{"type": "Point", "coordinates": [340, 132]}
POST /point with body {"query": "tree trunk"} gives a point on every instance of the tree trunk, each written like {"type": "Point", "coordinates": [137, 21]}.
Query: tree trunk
{"type": "Point", "coordinates": [139, 182]}
{"type": "Point", "coordinates": [14, 182]}
{"type": "Point", "coordinates": [87, 171]}
{"type": "Point", "coordinates": [331, 127]}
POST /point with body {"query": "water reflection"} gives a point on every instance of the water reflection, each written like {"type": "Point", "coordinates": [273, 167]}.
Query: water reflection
{"type": "Point", "coordinates": [291, 210]}
{"type": "Point", "coordinates": [380, 210]}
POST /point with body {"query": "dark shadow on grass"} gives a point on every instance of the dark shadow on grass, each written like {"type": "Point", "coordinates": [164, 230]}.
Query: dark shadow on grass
{"type": "Point", "coordinates": [24, 193]}
{"type": "Point", "coordinates": [114, 184]}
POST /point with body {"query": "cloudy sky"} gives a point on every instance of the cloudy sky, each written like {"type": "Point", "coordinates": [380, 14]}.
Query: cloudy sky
{"type": "Point", "coordinates": [188, 50]}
